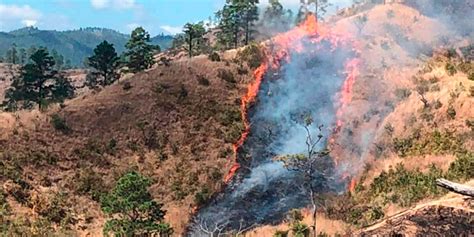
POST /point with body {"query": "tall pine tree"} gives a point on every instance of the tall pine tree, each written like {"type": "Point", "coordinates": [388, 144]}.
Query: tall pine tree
{"type": "Point", "coordinates": [194, 34]}
{"type": "Point", "coordinates": [139, 53]}
{"type": "Point", "coordinates": [105, 65]}
{"type": "Point", "coordinates": [39, 84]}
{"type": "Point", "coordinates": [236, 22]}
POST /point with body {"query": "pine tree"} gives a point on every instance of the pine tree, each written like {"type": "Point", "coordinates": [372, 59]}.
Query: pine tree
{"type": "Point", "coordinates": [140, 53]}
{"type": "Point", "coordinates": [22, 56]}
{"type": "Point", "coordinates": [237, 18]}
{"type": "Point", "coordinates": [12, 55]}
{"type": "Point", "coordinates": [320, 8]}
{"type": "Point", "coordinates": [105, 64]}
{"type": "Point", "coordinates": [38, 84]}
{"type": "Point", "coordinates": [132, 210]}
{"type": "Point", "coordinates": [194, 36]}
{"type": "Point", "coordinates": [276, 18]}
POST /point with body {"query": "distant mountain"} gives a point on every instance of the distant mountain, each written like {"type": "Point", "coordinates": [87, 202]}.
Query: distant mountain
{"type": "Point", "coordinates": [74, 45]}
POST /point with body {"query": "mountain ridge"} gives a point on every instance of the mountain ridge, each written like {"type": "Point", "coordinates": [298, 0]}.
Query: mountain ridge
{"type": "Point", "coordinates": [74, 45]}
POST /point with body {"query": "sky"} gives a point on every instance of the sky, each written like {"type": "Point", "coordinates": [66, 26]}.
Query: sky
{"type": "Point", "coordinates": [156, 16]}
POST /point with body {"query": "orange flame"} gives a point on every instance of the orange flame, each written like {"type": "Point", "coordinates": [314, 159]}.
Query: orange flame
{"type": "Point", "coordinates": [278, 49]}
{"type": "Point", "coordinates": [352, 185]}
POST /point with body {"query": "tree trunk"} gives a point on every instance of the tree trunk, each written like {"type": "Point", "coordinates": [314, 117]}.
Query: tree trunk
{"type": "Point", "coordinates": [190, 46]}
{"type": "Point", "coordinates": [313, 203]}
{"type": "Point", "coordinates": [455, 187]}
{"type": "Point", "coordinates": [247, 31]}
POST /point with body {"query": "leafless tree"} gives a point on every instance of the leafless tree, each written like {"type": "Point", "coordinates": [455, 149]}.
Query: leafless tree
{"type": "Point", "coordinates": [218, 229]}
{"type": "Point", "coordinates": [308, 165]}
{"type": "Point", "coordinates": [421, 90]}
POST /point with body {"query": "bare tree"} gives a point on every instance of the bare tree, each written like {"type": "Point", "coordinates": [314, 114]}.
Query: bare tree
{"type": "Point", "coordinates": [421, 90]}
{"type": "Point", "coordinates": [308, 165]}
{"type": "Point", "coordinates": [218, 229]}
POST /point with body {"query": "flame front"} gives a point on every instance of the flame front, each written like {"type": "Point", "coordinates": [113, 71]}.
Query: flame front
{"type": "Point", "coordinates": [277, 50]}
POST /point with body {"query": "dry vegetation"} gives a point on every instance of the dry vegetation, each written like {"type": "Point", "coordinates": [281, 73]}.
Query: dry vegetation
{"type": "Point", "coordinates": [174, 124]}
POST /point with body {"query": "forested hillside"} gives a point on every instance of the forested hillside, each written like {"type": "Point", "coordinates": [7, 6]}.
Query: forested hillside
{"type": "Point", "coordinates": [73, 45]}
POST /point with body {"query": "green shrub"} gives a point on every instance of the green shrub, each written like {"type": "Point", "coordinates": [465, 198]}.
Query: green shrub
{"type": "Point", "coordinates": [203, 81]}
{"type": "Point", "coordinates": [389, 129]}
{"type": "Point", "coordinates": [56, 209]}
{"type": "Point", "coordinates": [226, 75]}
{"type": "Point", "coordinates": [437, 104]}
{"type": "Point", "coordinates": [470, 123]}
{"type": "Point", "coordinates": [451, 112]}
{"type": "Point", "coordinates": [201, 197]}
{"type": "Point", "coordinates": [91, 183]}
{"type": "Point", "coordinates": [214, 56]}
{"type": "Point", "coordinates": [5, 209]}
{"type": "Point", "coordinates": [471, 76]}
{"type": "Point", "coordinates": [300, 230]}
{"type": "Point", "coordinates": [462, 168]}
{"type": "Point", "coordinates": [241, 70]}
{"type": "Point", "coordinates": [437, 142]}
{"type": "Point", "coordinates": [126, 86]}
{"type": "Point", "coordinates": [402, 93]}
{"type": "Point", "coordinates": [281, 233]}
{"type": "Point", "coordinates": [59, 123]}
{"type": "Point", "coordinates": [450, 69]}
{"type": "Point", "coordinates": [435, 88]}
{"type": "Point", "coordinates": [252, 55]}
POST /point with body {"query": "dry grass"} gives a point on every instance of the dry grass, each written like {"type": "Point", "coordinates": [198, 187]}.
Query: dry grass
{"type": "Point", "coordinates": [166, 125]}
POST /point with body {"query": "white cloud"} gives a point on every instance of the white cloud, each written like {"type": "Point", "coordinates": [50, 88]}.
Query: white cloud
{"type": "Point", "coordinates": [16, 12]}
{"type": "Point", "coordinates": [99, 4]}
{"type": "Point", "coordinates": [125, 4]}
{"type": "Point", "coordinates": [114, 4]}
{"type": "Point", "coordinates": [29, 22]}
{"type": "Point", "coordinates": [172, 29]}
{"type": "Point", "coordinates": [14, 16]}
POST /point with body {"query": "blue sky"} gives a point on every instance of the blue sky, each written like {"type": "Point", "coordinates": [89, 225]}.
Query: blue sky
{"type": "Point", "coordinates": [156, 16]}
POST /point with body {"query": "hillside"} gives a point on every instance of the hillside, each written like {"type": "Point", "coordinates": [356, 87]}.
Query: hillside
{"type": "Point", "coordinates": [74, 45]}
{"type": "Point", "coordinates": [406, 121]}
{"type": "Point", "coordinates": [166, 128]}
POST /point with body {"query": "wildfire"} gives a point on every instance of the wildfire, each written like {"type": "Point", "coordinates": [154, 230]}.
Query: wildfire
{"type": "Point", "coordinates": [277, 50]}
{"type": "Point", "coordinates": [352, 185]}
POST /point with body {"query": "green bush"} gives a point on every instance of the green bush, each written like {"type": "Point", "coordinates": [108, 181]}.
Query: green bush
{"type": "Point", "coordinates": [126, 86]}
{"type": "Point", "coordinates": [437, 104]}
{"type": "Point", "coordinates": [451, 112]}
{"type": "Point", "coordinates": [203, 81]}
{"type": "Point", "coordinates": [402, 93]}
{"type": "Point", "coordinates": [451, 69]}
{"type": "Point", "coordinates": [5, 209]}
{"type": "Point", "coordinates": [132, 211]}
{"type": "Point", "coordinates": [437, 142]}
{"type": "Point", "coordinates": [214, 57]}
{"type": "Point", "coordinates": [201, 197]}
{"type": "Point", "coordinates": [281, 233]}
{"type": "Point", "coordinates": [470, 123]}
{"type": "Point", "coordinates": [462, 168]}
{"type": "Point", "coordinates": [59, 123]}
{"type": "Point", "coordinates": [300, 230]}
{"type": "Point", "coordinates": [252, 55]}
{"type": "Point", "coordinates": [471, 76]}
{"type": "Point", "coordinates": [91, 183]}
{"type": "Point", "coordinates": [226, 75]}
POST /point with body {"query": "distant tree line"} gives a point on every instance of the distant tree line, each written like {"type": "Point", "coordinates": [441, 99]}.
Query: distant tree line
{"type": "Point", "coordinates": [239, 22]}
{"type": "Point", "coordinates": [22, 56]}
